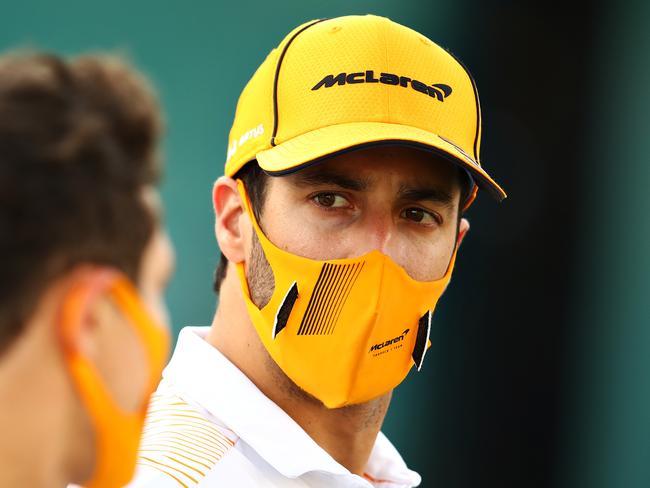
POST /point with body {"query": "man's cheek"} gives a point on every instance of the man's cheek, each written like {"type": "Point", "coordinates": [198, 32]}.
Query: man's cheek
{"type": "Point", "coordinates": [156, 306]}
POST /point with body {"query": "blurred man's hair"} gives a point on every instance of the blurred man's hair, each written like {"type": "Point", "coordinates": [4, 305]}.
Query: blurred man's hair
{"type": "Point", "coordinates": [78, 144]}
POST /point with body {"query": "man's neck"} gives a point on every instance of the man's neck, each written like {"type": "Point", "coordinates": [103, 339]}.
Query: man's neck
{"type": "Point", "coordinates": [31, 448]}
{"type": "Point", "coordinates": [348, 434]}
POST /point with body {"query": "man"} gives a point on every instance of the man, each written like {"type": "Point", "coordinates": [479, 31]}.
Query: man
{"type": "Point", "coordinates": [83, 265]}
{"type": "Point", "coordinates": [353, 154]}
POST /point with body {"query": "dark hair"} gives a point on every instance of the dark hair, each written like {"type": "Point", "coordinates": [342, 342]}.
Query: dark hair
{"type": "Point", "coordinates": [255, 179]}
{"type": "Point", "coordinates": [77, 146]}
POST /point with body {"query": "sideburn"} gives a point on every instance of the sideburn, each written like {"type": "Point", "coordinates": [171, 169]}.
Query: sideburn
{"type": "Point", "coordinates": [261, 281]}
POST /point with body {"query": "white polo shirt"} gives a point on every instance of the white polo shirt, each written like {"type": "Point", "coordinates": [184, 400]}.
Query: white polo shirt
{"type": "Point", "coordinates": [208, 425]}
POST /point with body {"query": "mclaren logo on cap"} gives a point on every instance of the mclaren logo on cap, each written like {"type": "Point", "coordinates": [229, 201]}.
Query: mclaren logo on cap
{"type": "Point", "coordinates": [438, 91]}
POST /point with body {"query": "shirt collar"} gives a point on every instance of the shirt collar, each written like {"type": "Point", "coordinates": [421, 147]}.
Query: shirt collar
{"type": "Point", "coordinates": [232, 398]}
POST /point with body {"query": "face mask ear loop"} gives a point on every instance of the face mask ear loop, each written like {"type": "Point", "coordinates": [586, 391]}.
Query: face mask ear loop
{"type": "Point", "coordinates": [470, 199]}
{"type": "Point", "coordinates": [116, 432]}
{"type": "Point", "coordinates": [243, 194]}
{"type": "Point", "coordinates": [240, 267]}
{"type": "Point", "coordinates": [155, 336]}
{"type": "Point", "coordinates": [452, 263]}
{"type": "Point", "coordinates": [248, 208]}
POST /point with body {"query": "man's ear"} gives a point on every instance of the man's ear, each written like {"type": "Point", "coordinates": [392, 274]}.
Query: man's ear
{"type": "Point", "coordinates": [228, 211]}
{"type": "Point", "coordinates": [95, 326]}
{"type": "Point", "coordinates": [463, 228]}
{"type": "Point", "coordinates": [83, 299]}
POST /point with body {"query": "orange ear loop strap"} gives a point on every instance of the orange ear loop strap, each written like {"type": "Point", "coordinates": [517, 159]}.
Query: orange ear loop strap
{"type": "Point", "coordinates": [125, 296]}
{"type": "Point", "coordinates": [84, 372]}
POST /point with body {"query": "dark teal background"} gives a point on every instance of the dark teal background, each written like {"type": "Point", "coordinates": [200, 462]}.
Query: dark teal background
{"type": "Point", "coordinates": [539, 370]}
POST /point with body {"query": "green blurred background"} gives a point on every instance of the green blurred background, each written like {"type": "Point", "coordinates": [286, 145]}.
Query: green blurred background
{"type": "Point", "coordinates": [538, 375]}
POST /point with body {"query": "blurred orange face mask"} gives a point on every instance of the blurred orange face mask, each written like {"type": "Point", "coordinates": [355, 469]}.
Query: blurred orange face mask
{"type": "Point", "coordinates": [345, 330]}
{"type": "Point", "coordinates": [117, 432]}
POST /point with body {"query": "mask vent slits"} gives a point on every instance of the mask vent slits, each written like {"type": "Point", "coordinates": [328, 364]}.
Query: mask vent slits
{"type": "Point", "coordinates": [422, 339]}
{"type": "Point", "coordinates": [284, 311]}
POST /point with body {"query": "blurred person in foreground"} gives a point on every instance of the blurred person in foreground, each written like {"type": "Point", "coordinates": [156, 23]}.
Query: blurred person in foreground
{"type": "Point", "coordinates": [83, 265]}
{"type": "Point", "coordinates": [353, 155]}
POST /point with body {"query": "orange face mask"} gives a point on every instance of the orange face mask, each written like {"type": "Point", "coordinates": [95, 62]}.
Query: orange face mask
{"type": "Point", "coordinates": [346, 330]}
{"type": "Point", "coordinates": [117, 432]}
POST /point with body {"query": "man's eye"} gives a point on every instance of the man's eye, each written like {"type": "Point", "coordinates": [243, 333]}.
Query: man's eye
{"type": "Point", "coordinates": [419, 216]}
{"type": "Point", "coordinates": [330, 200]}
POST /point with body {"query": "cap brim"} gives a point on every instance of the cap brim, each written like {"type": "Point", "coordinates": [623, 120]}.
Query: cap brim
{"type": "Point", "coordinates": [311, 147]}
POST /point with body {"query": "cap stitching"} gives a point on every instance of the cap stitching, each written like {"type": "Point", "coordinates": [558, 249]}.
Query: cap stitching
{"type": "Point", "coordinates": [387, 88]}
{"type": "Point", "coordinates": [476, 101]}
{"type": "Point", "coordinates": [277, 76]}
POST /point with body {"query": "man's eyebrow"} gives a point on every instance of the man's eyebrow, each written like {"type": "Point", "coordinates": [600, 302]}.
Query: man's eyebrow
{"type": "Point", "coordinates": [315, 178]}
{"type": "Point", "coordinates": [431, 194]}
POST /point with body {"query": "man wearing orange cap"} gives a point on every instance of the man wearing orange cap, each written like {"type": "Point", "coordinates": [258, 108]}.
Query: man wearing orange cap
{"type": "Point", "coordinates": [83, 264]}
{"type": "Point", "coordinates": [352, 157]}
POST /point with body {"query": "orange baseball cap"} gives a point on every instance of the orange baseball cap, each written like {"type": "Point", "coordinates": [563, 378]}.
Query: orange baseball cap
{"type": "Point", "coordinates": [341, 84]}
